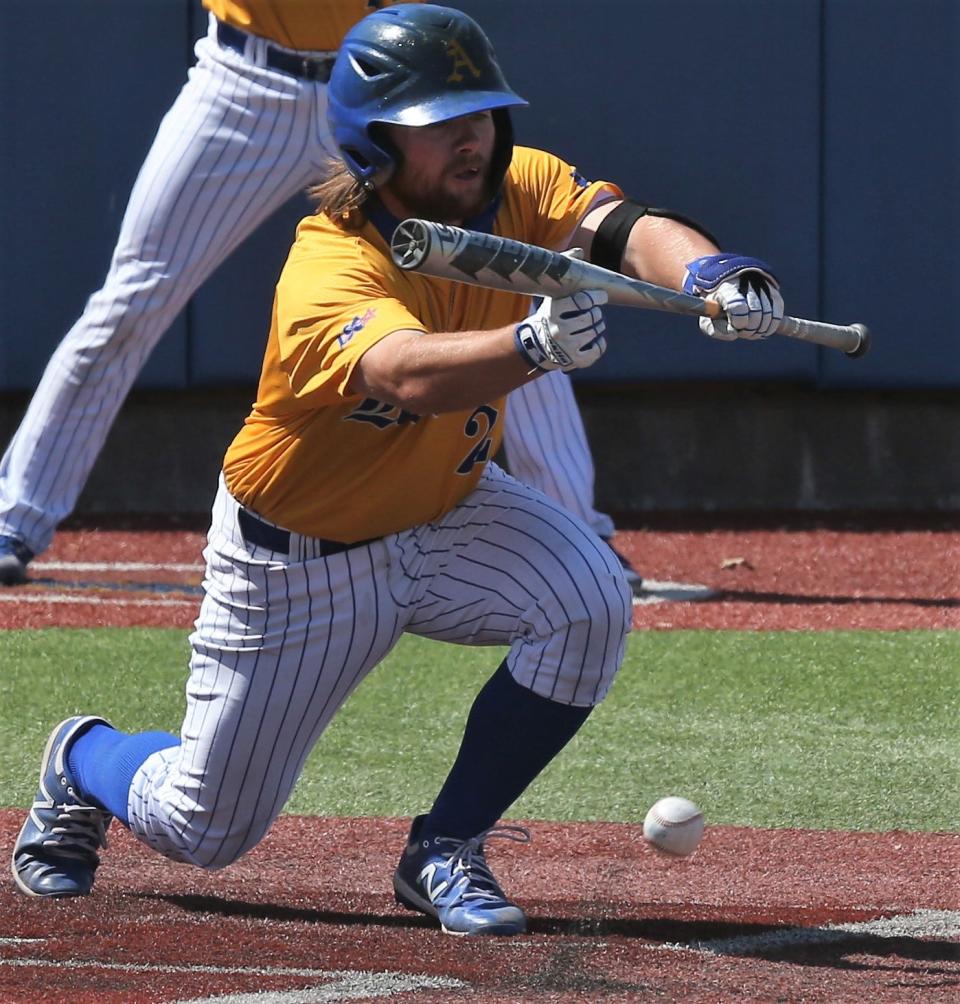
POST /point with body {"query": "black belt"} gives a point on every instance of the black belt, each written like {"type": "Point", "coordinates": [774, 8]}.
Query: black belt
{"type": "Point", "coordinates": [308, 67]}
{"type": "Point", "coordinates": [273, 538]}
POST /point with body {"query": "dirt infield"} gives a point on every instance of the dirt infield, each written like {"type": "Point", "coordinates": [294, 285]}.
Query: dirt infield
{"type": "Point", "coordinates": [308, 916]}
{"type": "Point", "coordinates": [835, 574]}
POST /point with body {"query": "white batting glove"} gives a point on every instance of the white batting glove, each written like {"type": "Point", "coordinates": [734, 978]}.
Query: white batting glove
{"type": "Point", "coordinates": [564, 334]}
{"type": "Point", "coordinates": [747, 290]}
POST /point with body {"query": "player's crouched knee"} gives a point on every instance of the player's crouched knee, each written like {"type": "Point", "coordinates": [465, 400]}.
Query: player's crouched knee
{"type": "Point", "coordinates": [574, 632]}
{"type": "Point", "coordinates": [604, 593]}
{"type": "Point", "coordinates": [601, 596]}
{"type": "Point", "coordinates": [209, 849]}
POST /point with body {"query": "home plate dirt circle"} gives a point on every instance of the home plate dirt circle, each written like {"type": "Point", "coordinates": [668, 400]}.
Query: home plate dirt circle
{"type": "Point", "coordinates": [308, 916]}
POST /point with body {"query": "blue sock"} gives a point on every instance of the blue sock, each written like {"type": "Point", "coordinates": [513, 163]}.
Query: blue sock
{"type": "Point", "coordinates": [511, 735]}
{"type": "Point", "coordinates": [103, 762]}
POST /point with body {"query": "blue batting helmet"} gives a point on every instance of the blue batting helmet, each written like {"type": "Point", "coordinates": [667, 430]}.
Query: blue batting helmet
{"type": "Point", "coordinates": [413, 65]}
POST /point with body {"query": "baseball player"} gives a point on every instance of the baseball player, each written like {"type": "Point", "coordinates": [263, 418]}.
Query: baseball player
{"type": "Point", "coordinates": [359, 500]}
{"type": "Point", "coordinates": [241, 139]}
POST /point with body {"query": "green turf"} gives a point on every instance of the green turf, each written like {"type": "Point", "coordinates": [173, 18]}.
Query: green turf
{"type": "Point", "coordinates": [853, 730]}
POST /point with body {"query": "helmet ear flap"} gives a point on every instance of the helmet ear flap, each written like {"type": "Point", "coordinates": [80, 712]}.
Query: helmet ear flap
{"type": "Point", "coordinates": [503, 147]}
{"type": "Point", "coordinates": [377, 174]}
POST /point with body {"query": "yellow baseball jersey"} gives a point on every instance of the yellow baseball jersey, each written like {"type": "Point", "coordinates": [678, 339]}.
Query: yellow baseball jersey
{"type": "Point", "coordinates": [317, 25]}
{"type": "Point", "coordinates": [317, 459]}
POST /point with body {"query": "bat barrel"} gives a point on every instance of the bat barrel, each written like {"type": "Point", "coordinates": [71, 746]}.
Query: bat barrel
{"type": "Point", "coordinates": [851, 339]}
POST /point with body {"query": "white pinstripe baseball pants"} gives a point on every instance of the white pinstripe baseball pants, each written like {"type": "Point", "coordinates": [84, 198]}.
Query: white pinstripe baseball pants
{"type": "Point", "coordinates": [239, 141]}
{"type": "Point", "coordinates": [283, 639]}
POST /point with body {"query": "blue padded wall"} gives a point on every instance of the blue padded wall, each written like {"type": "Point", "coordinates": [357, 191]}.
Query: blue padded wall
{"type": "Point", "coordinates": [642, 95]}
{"type": "Point", "coordinates": [82, 90]}
{"type": "Point", "coordinates": [891, 199]}
{"type": "Point", "coordinates": [818, 134]}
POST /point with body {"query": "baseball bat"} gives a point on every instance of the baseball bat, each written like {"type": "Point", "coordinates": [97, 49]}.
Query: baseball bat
{"type": "Point", "coordinates": [501, 263]}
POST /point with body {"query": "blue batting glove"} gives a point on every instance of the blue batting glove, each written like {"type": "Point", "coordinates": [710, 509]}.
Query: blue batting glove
{"type": "Point", "coordinates": [747, 290]}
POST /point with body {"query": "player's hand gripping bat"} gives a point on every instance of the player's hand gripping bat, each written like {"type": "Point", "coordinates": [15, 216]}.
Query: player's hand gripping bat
{"type": "Point", "coordinates": [500, 263]}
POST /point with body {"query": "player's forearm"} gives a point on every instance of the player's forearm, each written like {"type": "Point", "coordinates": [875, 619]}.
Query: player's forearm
{"type": "Point", "coordinates": [658, 249]}
{"type": "Point", "coordinates": [447, 371]}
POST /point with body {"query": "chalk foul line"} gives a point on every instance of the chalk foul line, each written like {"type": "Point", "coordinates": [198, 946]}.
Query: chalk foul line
{"type": "Point", "coordinates": [941, 924]}
{"type": "Point", "coordinates": [337, 985]}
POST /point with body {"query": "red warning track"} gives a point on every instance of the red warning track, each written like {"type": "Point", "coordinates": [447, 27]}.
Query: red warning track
{"type": "Point", "coordinates": [308, 916]}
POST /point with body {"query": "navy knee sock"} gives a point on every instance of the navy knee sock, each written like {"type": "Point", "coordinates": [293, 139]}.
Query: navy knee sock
{"type": "Point", "coordinates": [103, 762]}
{"type": "Point", "coordinates": [511, 735]}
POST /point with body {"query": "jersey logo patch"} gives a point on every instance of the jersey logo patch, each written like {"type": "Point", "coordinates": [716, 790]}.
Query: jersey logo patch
{"type": "Point", "coordinates": [461, 61]}
{"type": "Point", "coordinates": [354, 325]}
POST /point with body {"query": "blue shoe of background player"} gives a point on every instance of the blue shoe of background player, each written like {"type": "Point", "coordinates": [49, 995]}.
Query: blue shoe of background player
{"type": "Point", "coordinates": [14, 558]}
{"type": "Point", "coordinates": [633, 577]}
{"type": "Point", "coordinates": [449, 879]}
{"type": "Point", "coordinates": [56, 851]}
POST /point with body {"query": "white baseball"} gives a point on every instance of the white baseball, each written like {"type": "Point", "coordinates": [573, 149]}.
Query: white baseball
{"type": "Point", "coordinates": [674, 825]}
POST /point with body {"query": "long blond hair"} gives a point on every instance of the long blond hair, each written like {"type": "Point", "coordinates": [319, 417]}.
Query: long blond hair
{"type": "Point", "coordinates": [339, 195]}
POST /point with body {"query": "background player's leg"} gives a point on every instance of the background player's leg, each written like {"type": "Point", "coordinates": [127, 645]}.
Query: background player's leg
{"type": "Point", "coordinates": [233, 148]}
{"type": "Point", "coordinates": [546, 446]}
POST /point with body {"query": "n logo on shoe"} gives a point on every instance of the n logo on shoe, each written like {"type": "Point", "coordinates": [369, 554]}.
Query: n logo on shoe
{"type": "Point", "coordinates": [427, 876]}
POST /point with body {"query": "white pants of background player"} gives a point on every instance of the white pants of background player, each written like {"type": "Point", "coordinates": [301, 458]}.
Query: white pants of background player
{"type": "Point", "coordinates": [239, 142]}
{"type": "Point", "coordinates": [282, 639]}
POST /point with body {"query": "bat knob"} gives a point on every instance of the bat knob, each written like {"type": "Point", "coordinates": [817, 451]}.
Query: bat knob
{"type": "Point", "coordinates": [410, 244]}
{"type": "Point", "coordinates": [864, 345]}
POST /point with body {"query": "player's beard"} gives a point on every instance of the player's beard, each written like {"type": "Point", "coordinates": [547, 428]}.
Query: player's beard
{"type": "Point", "coordinates": [443, 205]}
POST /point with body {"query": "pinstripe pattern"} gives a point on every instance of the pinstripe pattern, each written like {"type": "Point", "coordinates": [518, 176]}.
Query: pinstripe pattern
{"type": "Point", "coordinates": [238, 142]}
{"type": "Point", "coordinates": [282, 640]}
{"type": "Point", "coordinates": [546, 446]}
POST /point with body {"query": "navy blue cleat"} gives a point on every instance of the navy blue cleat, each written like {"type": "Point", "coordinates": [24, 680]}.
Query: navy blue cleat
{"type": "Point", "coordinates": [56, 851]}
{"type": "Point", "coordinates": [449, 879]}
{"type": "Point", "coordinates": [14, 558]}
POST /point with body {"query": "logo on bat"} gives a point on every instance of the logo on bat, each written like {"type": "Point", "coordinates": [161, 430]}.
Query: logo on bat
{"type": "Point", "coordinates": [471, 253]}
